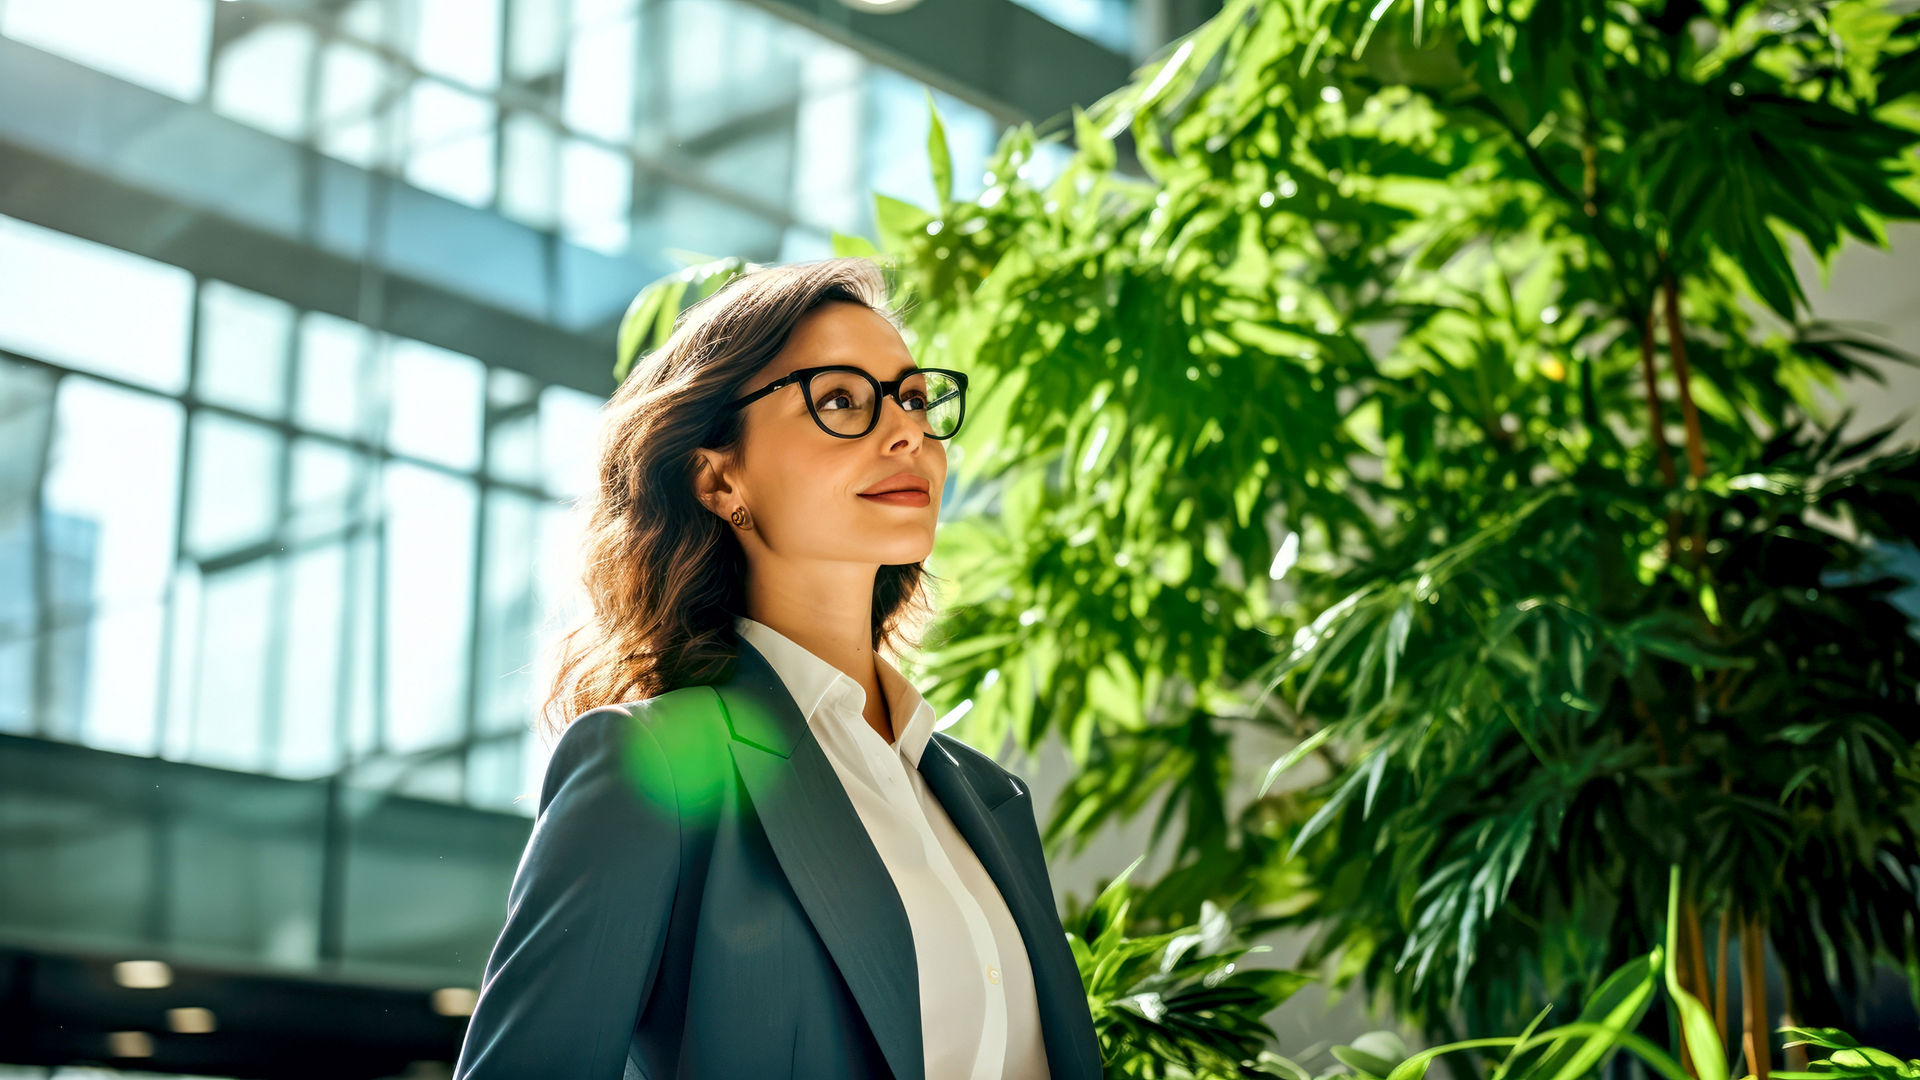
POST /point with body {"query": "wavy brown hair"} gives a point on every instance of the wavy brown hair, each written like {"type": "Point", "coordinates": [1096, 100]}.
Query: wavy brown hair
{"type": "Point", "coordinates": [664, 576]}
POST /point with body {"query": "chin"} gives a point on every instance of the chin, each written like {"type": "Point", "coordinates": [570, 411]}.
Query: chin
{"type": "Point", "coordinates": [902, 554]}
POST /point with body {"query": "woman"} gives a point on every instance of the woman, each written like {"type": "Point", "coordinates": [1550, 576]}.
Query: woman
{"type": "Point", "coordinates": [754, 857]}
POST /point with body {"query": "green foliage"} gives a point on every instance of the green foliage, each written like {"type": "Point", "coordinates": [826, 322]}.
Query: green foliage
{"type": "Point", "coordinates": [1849, 1058]}
{"type": "Point", "coordinates": [1606, 1025]}
{"type": "Point", "coordinates": [649, 319]}
{"type": "Point", "coordinates": [1176, 1004]}
{"type": "Point", "coordinates": [1357, 421]}
{"type": "Point", "coordinates": [1340, 425]}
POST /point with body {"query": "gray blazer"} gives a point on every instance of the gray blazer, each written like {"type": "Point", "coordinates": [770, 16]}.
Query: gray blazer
{"type": "Point", "coordinates": [699, 899]}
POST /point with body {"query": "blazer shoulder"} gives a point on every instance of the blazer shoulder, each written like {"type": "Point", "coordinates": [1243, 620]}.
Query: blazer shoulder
{"type": "Point", "coordinates": [628, 730]}
{"type": "Point", "coordinates": [651, 713]}
{"type": "Point", "coordinates": [995, 782]}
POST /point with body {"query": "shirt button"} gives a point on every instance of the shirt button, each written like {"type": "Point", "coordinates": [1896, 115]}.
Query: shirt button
{"type": "Point", "coordinates": [993, 974]}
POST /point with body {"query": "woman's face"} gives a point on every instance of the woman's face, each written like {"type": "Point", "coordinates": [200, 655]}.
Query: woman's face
{"type": "Point", "coordinates": [802, 486]}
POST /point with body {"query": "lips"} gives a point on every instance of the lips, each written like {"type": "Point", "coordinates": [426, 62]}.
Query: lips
{"type": "Point", "coordinates": [900, 482]}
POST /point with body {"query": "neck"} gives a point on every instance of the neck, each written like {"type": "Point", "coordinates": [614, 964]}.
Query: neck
{"type": "Point", "coordinates": [840, 643]}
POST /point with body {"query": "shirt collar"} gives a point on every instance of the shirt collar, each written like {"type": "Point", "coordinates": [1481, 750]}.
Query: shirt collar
{"type": "Point", "coordinates": [820, 689]}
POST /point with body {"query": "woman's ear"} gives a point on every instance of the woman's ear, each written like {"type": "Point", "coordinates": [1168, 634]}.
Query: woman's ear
{"type": "Point", "coordinates": [710, 485]}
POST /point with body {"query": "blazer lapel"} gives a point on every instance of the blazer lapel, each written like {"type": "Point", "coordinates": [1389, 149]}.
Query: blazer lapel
{"type": "Point", "coordinates": [1056, 976]}
{"type": "Point", "coordinates": [848, 893]}
{"type": "Point", "coordinates": [831, 863]}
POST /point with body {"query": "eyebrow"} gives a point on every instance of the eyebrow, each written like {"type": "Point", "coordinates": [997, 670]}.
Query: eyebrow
{"type": "Point", "coordinates": [904, 372]}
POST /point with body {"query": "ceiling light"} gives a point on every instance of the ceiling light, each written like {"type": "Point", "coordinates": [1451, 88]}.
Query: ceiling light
{"type": "Point", "coordinates": [143, 974]}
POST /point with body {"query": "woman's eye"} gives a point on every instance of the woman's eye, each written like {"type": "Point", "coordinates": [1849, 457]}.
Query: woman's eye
{"type": "Point", "coordinates": [831, 398]}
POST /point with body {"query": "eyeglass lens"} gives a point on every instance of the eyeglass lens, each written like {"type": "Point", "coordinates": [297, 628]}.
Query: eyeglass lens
{"type": "Point", "coordinates": [845, 401]}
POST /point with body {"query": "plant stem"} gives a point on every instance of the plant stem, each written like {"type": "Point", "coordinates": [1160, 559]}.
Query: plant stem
{"type": "Point", "coordinates": [1683, 375]}
{"type": "Point", "coordinates": [1753, 996]}
{"type": "Point", "coordinates": [1696, 957]}
{"type": "Point", "coordinates": [1677, 348]}
{"type": "Point", "coordinates": [1796, 1055]}
{"type": "Point", "coordinates": [1720, 983]}
{"type": "Point", "coordinates": [1655, 422]}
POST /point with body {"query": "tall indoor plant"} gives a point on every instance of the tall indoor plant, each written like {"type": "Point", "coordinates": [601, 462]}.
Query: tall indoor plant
{"type": "Point", "coordinates": [1444, 398]}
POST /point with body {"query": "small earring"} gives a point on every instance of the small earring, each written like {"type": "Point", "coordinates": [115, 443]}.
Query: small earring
{"type": "Point", "coordinates": [739, 516]}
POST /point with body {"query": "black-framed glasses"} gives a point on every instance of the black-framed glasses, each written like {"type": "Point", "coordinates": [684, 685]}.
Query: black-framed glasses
{"type": "Point", "coordinates": [845, 400]}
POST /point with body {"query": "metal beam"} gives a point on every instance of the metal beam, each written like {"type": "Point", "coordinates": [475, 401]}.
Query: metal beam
{"type": "Point", "coordinates": [994, 53]}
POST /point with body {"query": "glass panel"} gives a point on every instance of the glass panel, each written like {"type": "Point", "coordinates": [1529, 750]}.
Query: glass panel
{"type": "Point", "coordinates": [727, 65]}
{"type": "Point", "coordinates": [108, 514]}
{"type": "Point", "coordinates": [536, 40]}
{"type": "Point", "coordinates": [507, 388]}
{"type": "Point", "coordinates": [26, 414]}
{"type": "Point", "coordinates": [437, 402]}
{"type": "Point", "coordinates": [598, 99]}
{"type": "Point", "coordinates": [530, 166]}
{"type": "Point", "coordinates": [16, 684]}
{"type": "Point", "coordinates": [96, 883]}
{"type": "Point", "coordinates": [569, 425]}
{"type": "Point", "coordinates": [372, 20]}
{"type": "Point", "coordinates": [589, 12]}
{"type": "Point", "coordinates": [363, 644]}
{"type": "Point", "coordinates": [761, 161]}
{"type": "Point", "coordinates": [331, 491]}
{"type": "Point", "coordinates": [54, 286]}
{"type": "Point", "coordinates": [1109, 22]}
{"type": "Point", "coordinates": [510, 632]}
{"type": "Point", "coordinates": [596, 195]}
{"type": "Point", "coordinates": [159, 44]}
{"type": "Point", "coordinates": [340, 377]}
{"type": "Point", "coordinates": [561, 598]}
{"type": "Point", "coordinates": [459, 39]}
{"type": "Point", "coordinates": [440, 776]}
{"type": "Point", "coordinates": [244, 341]}
{"type": "Point", "coordinates": [804, 245]}
{"type": "Point", "coordinates": [233, 494]}
{"type": "Point", "coordinates": [310, 741]}
{"type": "Point", "coordinates": [330, 495]}
{"type": "Point", "coordinates": [426, 914]}
{"type": "Point", "coordinates": [430, 526]}
{"type": "Point", "coordinates": [682, 217]}
{"type": "Point", "coordinates": [244, 874]}
{"type": "Point", "coordinates": [260, 77]}
{"type": "Point", "coordinates": [229, 724]}
{"type": "Point", "coordinates": [830, 123]}
{"type": "Point", "coordinates": [513, 437]}
{"type": "Point", "coordinates": [356, 105]}
{"type": "Point", "coordinates": [494, 773]}
{"type": "Point", "coordinates": [451, 142]}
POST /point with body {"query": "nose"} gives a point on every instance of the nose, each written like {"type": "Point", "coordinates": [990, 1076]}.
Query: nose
{"type": "Point", "coordinates": [902, 409]}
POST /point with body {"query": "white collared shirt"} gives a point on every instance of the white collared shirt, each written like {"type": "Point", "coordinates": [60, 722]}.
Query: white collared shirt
{"type": "Point", "coordinates": [979, 1016]}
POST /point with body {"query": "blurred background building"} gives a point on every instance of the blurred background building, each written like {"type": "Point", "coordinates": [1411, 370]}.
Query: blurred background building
{"type": "Point", "coordinates": [306, 307]}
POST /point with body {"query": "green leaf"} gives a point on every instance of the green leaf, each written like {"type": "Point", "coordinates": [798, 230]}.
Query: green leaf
{"type": "Point", "coordinates": [1830, 1038]}
{"type": "Point", "coordinates": [1095, 148]}
{"type": "Point", "coordinates": [1290, 758]}
{"type": "Point", "coordinates": [1616, 1005]}
{"type": "Point", "coordinates": [845, 245]}
{"type": "Point", "coordinates": [900, 223]}
{"type": "Point", "coordinates": [1363, 1063]}
{"type": "Point", "coordinates": [938, 154]}
{"type": "Point", "coordinates": [1696, 1024]}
